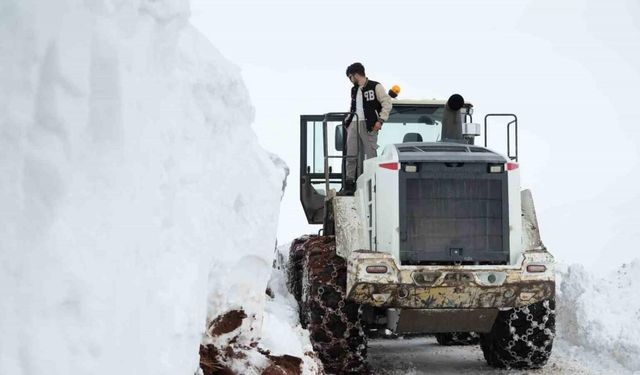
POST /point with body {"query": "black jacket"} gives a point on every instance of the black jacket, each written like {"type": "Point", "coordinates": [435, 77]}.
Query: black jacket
{"type": "Point", "coordinates": [370, 102]}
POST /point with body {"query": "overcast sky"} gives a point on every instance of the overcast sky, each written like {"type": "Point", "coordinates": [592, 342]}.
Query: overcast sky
{"type": "Point", "coordinates": [570, 70]}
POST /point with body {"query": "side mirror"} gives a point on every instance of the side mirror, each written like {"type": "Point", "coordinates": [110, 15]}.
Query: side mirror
{"type": "Point", "coordinates": [339, 138]}
{"type": "Point", "coordinates": [470, 129]}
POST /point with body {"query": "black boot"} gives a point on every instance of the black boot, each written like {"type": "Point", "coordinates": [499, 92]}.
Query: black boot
{"type": "Point", "coordinates": [348, 189]}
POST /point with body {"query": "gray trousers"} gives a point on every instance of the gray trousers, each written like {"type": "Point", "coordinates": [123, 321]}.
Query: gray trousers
{"type": "Point", "coordinates": [363, 141]}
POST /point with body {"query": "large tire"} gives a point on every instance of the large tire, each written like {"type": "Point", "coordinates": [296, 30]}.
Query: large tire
{"type": "Point", "coordinates": [333, 322]}
{"type": "Point", "coordinates": [521, 338]}
{"type": "Point", "coordinates": [295, 264]}
{"type": "Point", "coordinates": [457, 338]}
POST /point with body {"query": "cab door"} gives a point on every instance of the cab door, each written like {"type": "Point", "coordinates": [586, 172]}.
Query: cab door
{"type": "Point", "coordinates": [312, 164]}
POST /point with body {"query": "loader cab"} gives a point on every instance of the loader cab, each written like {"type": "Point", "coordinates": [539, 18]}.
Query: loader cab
{"type": "Point", "coordinates": [409, 121]}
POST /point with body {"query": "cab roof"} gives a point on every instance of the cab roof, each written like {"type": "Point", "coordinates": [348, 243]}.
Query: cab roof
{"type": "Point", "coordinates": [426, 102]}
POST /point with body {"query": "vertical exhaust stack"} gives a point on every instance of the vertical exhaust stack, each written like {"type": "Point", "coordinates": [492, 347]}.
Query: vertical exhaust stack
{"type": "Point", "coordinates": [452, 120]}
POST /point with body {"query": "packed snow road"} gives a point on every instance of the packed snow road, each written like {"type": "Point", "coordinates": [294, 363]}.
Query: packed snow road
{"type": "Point", "coordinates": [424, 356]}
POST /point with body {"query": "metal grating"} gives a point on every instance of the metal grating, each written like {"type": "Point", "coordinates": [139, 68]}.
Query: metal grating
{"type": "Point", "coordinates": [478, 149]}
{"type": "Point", "coordinates": [454, 220]}
{"type": "Point", "coordinates": [443, 149]}
{"type": "Point", "coordinates": [408, 149]}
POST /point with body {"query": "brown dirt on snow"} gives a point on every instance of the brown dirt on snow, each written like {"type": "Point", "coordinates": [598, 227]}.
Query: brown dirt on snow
{"type": "Point", "coordinates": [214, 360]}
{"type": "Point", "coordinates": [226, 323]}
{"type": "Point", "coordinates": [210, 361]}
{"type": "Point", "coordinates": [283, 365]}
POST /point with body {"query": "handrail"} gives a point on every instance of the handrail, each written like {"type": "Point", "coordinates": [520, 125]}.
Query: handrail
{"type": "Point", "coordinates": [325, 137]}
{"type": "Point", "coordinates": [514, 122]}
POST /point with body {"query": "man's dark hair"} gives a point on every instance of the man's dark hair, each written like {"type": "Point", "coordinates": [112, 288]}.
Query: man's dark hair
{"type": "Point", "coordinates": [355, 68]}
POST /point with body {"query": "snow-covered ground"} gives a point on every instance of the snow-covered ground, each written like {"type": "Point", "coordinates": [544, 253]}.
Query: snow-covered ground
{"type": "Point", "coordinates": [418, 356]}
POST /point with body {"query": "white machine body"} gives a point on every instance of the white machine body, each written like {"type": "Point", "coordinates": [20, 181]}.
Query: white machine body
{"type": "Point", "coordinates": [378, 190]}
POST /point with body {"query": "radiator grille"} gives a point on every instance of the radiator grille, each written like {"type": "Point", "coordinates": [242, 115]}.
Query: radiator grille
{"type": "Point", "coordinates": [454, 220]}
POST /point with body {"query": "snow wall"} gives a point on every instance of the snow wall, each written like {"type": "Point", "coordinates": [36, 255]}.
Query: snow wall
{"type": "Point", "coordinates": [135, 200]}
{"type": "Point", "coordinates": [599, 317]}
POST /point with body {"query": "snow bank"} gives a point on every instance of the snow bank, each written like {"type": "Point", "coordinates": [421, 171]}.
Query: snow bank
{"type": "Point", "coordinates": [600, 317]}
{"type": "Point", "coordinates": [283, 347]}
{"type": "Point", "coordinates": [132, 189]}
{"type": "Point", "coordinates": [282, 331]}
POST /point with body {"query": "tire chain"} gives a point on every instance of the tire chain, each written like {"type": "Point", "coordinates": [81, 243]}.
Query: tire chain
{"type": "Point", "coordinates": [521, 338]}
{"type": "Point", "coordinates": [333, 322]}
{"type": "Point", "coordinates": [295, 264]}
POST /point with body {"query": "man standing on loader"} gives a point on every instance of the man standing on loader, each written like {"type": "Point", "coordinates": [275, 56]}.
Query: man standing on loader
{"type": "Point", "coordinates": [372, 104]}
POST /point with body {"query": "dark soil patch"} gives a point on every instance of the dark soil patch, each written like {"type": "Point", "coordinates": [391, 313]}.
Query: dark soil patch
{"type": "Point", "coordinates": [210, 361]}
{"type": "Point", "coordinates": [226, 323]}
{"type": "Point", "coordinates": [283, 365]}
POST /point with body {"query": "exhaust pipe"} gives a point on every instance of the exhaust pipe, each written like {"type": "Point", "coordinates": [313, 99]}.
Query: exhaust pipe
{"type": "Point", "coordinates": [452, 120]}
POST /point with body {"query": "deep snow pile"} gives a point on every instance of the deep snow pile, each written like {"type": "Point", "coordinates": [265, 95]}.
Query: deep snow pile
{"type": "Point", "coordinates": [599, 317]}
{"type": "Point", "coordinates": [132, 189]}
{"type": "Point", "coordinates": [283, 347]}
{"type": "Point", "coordinates": [282, 332]}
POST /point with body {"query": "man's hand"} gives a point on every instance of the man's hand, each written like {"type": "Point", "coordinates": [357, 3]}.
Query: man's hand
{"type": "Point", "coordinates": [377, 126]}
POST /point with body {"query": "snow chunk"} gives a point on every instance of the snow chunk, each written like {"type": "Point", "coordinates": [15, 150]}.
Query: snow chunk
{"type": "Point", "coordinates": [282, 333]}
{"type": "Point", "coordinates": [278, 344]}
{"type": "Point", "coordinates": [602, 315]}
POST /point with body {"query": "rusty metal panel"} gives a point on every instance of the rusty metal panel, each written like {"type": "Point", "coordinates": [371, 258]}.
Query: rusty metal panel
{"type": "Point", "coordinates": [440, 321]}
{"type": "Point", "coordinates": [449, 287]}
{"type": "Point", "coordinates": [453, 297]}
